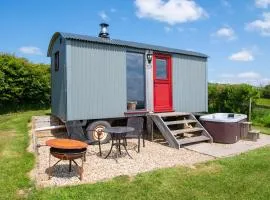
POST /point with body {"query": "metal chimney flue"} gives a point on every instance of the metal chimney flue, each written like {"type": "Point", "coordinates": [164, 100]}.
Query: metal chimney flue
{"type": "Point", "coordinates": [104, 31]}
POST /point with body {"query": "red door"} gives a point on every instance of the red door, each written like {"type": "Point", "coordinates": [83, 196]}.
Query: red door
{"type": "Point", "coordinates": [162, 83]}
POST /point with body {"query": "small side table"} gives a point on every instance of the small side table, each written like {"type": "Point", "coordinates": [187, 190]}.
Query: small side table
{"type": "Point", "coordinates": [67, 149]}
{"type": "Point", "coordinates": [118, 133]}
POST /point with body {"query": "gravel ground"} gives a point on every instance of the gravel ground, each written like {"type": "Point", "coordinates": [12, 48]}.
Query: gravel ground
{"type": "Point", "coordinates": [152, 156]}
{"type": "Point", "coordinates": [96, 168]}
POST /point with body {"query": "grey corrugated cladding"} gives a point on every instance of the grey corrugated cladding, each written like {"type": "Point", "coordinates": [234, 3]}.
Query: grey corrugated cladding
{"type": "Point", "coordinates": [96, 80]}
{"type": "Point", "coordinates": [58, 81]}
{"type": "Point", "coordinates": [189, 84]}
{"type": "Point", "coordinates": [123, 43]}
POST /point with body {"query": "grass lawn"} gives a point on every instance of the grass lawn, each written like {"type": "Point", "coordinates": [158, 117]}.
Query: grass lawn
{"type": "Point", "coordinates": [241, 177]}
{"type": "Point", "coordinates": [264, 130]}
{"type": "Point", "coordinates": [15, 162]}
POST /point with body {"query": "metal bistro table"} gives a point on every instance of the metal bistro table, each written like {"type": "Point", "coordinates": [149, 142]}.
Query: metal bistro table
{"type": "Point", "coordinates": [118, 134]}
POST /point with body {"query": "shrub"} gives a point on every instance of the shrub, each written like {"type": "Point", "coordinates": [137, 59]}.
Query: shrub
{"type": "Point", "coordinates": [22, 82]}
{"type": "Point", "coordinates": [261, 117]}
{"type": "Point", "coordinates": [266, 91]}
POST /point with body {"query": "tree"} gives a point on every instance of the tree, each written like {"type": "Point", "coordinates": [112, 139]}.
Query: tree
{"type": "Point", "coordinates": [266, 91]}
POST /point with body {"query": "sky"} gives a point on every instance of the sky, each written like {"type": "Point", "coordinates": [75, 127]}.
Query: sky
{"type": "Point", "coordinates": [235, 34]}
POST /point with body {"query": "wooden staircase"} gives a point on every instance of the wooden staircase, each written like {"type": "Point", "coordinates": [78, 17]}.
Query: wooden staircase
{"type": "Point", "coordinates": [179, 128]}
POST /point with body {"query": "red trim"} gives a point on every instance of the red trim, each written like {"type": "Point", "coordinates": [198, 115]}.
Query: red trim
{"type": "Point", "coordinates": [166, 108]}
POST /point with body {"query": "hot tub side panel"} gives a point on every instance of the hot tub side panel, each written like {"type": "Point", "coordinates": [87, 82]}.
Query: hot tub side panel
{"type": "Point", "coordinates": [223, 132]}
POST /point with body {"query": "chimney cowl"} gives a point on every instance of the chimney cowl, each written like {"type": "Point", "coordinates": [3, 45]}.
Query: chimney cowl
{"type": "Point", "coordinates": [104, 31]}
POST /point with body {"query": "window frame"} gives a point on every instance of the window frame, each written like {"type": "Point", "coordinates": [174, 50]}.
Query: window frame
{"type": "Point", "coordinates": [166, 57]}
{"type": "Point", "coordinates": [166, 69]}
{"type": "Point", "coordinates": [56, 61]}
{"type": "Point", "coordinates": [144, 74]}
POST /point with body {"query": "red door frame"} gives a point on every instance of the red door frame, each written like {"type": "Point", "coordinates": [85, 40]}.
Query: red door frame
{"type": "Point", "coordinates": [167, 108]}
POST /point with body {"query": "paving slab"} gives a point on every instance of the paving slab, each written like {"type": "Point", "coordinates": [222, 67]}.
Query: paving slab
{"type": "Point", "coordinates": [225, 150]}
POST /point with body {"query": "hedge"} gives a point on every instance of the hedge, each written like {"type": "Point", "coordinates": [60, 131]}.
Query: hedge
{"type": "Point", "coordinates": [231, 98]}
{"type": "Point", "coordinates": [23, 83]}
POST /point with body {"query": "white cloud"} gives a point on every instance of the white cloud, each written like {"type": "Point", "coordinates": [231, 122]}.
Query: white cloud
{"type": "Point", "coordinates": [227, 75]}
{"type": "Point", "coordinates": [226, 33]}
{"type": "Point", "coordinates": [193, 29]}
{"type": "Point", "coordinates": [124, 19]}
{"type": "Point", "coordinates": [179, 29]}
{"type": "Point", "coordinates": [243, 55]}
{"type": "Point", "coordinates": [262, 3]}
{"type": "Point", "coordinates": [167, 29]}
{"type": "Point", "coordinates": [103, 15]}
{"type": "Point", "coordinates": [170, 11]}
{"type": "Point", "coordinates": [249, 75]}
{"type": "Point", "coordinates": [113, 10]}
{"type": "Point", "coordinates": [30, 50]}
{"type": "Point", "coordinates": [243, 75]}
{"type": "Point", "coordinates": [264, 81]}
{"type": "Point", "coordinates": [225, 3]}
{"type": "Point", "coordinates": [262, 26]}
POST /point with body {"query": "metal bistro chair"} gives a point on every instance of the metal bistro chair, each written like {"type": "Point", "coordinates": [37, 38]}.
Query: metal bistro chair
{"type": "Point", "coordinates": [137, 124]}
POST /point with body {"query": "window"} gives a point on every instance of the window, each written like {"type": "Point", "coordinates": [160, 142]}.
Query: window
{"type": "Point", "coordinates": [56, 61]}
{"type": "Point", "coordinates": [161, 67]}
{"type": "Point", "coordinates": [135, 81]}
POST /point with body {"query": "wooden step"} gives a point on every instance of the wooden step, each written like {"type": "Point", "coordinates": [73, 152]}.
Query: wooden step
{"type": "Point", "coordinates": [172, 114]}
{"type": "Point", "coordinates": [187, 121]}
{"type": "Point", "coordinates": [187, 130]}
{"type": "Point", "coordinates": [193, 140]}
{"type": "Point", "coordinates": [172, 135]}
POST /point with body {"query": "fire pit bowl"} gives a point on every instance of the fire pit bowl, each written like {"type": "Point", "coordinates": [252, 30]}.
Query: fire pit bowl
{"type": "Point", "coordinates": [66, 149]}
{"type": "Point", "coordinates": [67, 154]}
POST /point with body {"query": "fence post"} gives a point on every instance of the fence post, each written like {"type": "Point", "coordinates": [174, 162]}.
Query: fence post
{"type": "Point", "coordinates": [249, 112]}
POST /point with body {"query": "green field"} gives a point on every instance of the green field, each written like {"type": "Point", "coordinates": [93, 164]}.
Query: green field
{"type": "Point", "coordinates": [242, 177]}
{"type": "Point", "coordinates": [263, 102]}
{"type": "Point", "coordinates": [261, 113]}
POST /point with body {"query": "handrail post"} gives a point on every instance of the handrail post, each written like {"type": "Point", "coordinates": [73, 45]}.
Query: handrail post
{"type": "Point", "coordinates": [249, 114]}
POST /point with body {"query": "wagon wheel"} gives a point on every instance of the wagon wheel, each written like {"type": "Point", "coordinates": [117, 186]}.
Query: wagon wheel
{"type": "Point", "coordinates": [95, 131]}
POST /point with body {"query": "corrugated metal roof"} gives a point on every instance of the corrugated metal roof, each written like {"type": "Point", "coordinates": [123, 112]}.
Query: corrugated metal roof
{"type": "Point", "coordinates": [129, 44]}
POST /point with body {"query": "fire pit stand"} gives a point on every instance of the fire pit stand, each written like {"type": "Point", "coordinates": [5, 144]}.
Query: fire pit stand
{"type": "Point", "coordinates": [66, 149]}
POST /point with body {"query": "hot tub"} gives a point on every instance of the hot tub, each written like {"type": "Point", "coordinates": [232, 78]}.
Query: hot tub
{"type": "Point", "coordinates": [224, 127]}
